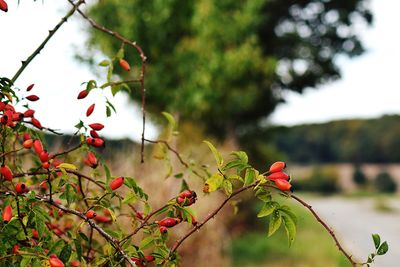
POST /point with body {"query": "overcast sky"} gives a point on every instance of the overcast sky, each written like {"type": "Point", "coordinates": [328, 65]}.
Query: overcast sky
{"type": "Point", "coordinates": [368, 88]}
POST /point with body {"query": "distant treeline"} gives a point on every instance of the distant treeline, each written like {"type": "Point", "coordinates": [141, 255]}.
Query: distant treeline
{"type": "Point", "coordinates": [357, 140]}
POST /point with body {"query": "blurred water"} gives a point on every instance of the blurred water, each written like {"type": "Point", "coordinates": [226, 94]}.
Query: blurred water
{"type": "Point", "coordinates": [354, 220]}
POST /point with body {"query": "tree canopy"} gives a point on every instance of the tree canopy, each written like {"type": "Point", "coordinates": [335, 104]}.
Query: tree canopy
{"type": "Point", "coordinates": [223, 64]}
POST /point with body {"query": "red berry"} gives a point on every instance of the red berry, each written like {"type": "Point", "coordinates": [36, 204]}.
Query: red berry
{"type": "Point", "coordinates": [44, 156]}
{"type": "Point", "coordinates": [90, 214]}
{"type": "Point", "coordinates": [169, 222]}
{"type": "Point", "coordinates": [21, 188]}
{"type": "Point", "coordinates": [116, 183]}
{"type": "Point", "coordinates": [91, 160]}
{"type": "Point", "coordinates": [89, 111]}
{"type": "Point", "coordinates": [55, 261]}
{"type": "Point", "coordinates": [36, 123]}
{"type": "Point", "coordinates": [30, 87]}
{"type": "Point", "coordinates": [46, 165]}
{"type": "Point", "coordinates": [278, 175]}
{"type": "Point", "coordinates": [124, 64]}
{"type": "Point", "coordinates": [149, 258]}
{"type": "Point", "coordinates": [139, 215]}
{"type": "Point", "coordinates": [15, 249]}
{"type": "Point", "coordinates": [29, 113]}
{"type": "Point", "coordinates": [27, 143]}
{"type": "Point", "coordinates": [7, 214]}
{"type": "Point", "coordinates": [94, 134]}
{"type": "Point", "coordinates": [282, 184]}
{"type": "Point", "coordinates": [163, 229]}
{"type": "Point", "coordinates": [186, 193]}
{"type": "Point", "coordinates": [26, 136]}
{"type": "Point", "coordinates": [35, 234]}
{"type": "Point", "coordinates": [277, 166]}
{"type": "Point", "coordinates": [6, 172]}
{"type": "Point", "coordinates": [96, 126]}
{"type": "Point", "coordinates": [37, 145]}
{"type": "Point", "coordinates": [32, 97]}
{"type": "Point", "coordinates": [3, 6]}
{"type": "Point", "coordinates": [17, 116]}
{"type": "Point", "coordinates": [82, 94]}
{"type": "Point", "coordinates": [102, 219]}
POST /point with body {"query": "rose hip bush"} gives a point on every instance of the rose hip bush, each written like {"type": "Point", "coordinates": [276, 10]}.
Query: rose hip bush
{"type": "Point", "coordinates": [55, 212]}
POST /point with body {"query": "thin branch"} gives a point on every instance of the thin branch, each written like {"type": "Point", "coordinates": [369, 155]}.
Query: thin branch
{"type": "Point", "coordinates": [42, 45]}
{"type": "Point", "coordinates": [143, 58]}
{"type": "Point", "coordinates": [68, 151]}
{"type": "Point", "coordinates": [330, 231]}
{"type": "Point", "coordinates": [209, 217]}
{"type": "Point", "coordinates": [20, 218]}
{"type": "Point", "coordinates": [184, 163]}
{"type": "Point", "coordinates": [93, 225]}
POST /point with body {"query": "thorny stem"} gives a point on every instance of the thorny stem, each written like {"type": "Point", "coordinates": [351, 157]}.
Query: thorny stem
{"type": "Point", "coordinates": [42, 45]}
{"type": "Point", "coordinates": [330, 231]}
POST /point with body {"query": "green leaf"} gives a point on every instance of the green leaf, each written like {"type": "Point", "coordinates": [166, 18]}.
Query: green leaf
{"type": "Point", "coordinates": [65, 253]}
{"type": "Point", "coordinates": [120, 54]}
{"type": "Point", "coordinates": [232, 164]}
{"type": "Point", "coordinates": [235, 177]}
{"type": "Point", "coordinates": [78, 248]}
{"type": "Point", "coordinates": [130, 198]}
{"type": "Point", "coordinates": [216, 153]}
{"type": "Point", "coordinates": [377, 240]}
{"type": "Point", "coordinates": [146, 243]}
{"type": "Point", "coordinates": [383, 248]}
{"type": "Point", "coordinates": [110, 72]}
{"type": "Point", "coordinates": [290, 227]}
{"type": "Point", "coordinates": [25, 261]}
{"type": "Point", "coordinates": [288, 211]}
{"type": "Point", "coordinates": [115, 89]}
{"type": "Point", "coordinates": [274, 222]}
{"type": "Point", "coordinates": [170, 119]}
{"type": "Point", "coordinates": [104, 63]}
{"type": "Point", "coordinates": [268, 208]}
{"type": "Point", "coordinates": [214, 182]}
{"type": "Point", "coordinates": [241, 155]}
{"type": "Point", "coordinates": [108, 111]}
{"type": "Point", "coordinates": [67, 166]}
{"type": "Point", "coordinates": [227, 185]}
{"type": "Point", "coordinates": [108, 173]}
{"type": "Point", "coordinates": [250, 176]}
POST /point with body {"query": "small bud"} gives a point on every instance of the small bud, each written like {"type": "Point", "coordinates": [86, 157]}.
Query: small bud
{"type": "Point", "coordinates": [32, 98]}
{"type": "Point", "coordinates": [82, 94]}
{"type": "Point", "coordinates": [124, 64]}
{"type": "Point", "coordinates": [116, 183]}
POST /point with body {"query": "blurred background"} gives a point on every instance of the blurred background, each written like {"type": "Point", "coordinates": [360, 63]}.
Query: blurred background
{"type": "Point", "coordinates": [313, 83]}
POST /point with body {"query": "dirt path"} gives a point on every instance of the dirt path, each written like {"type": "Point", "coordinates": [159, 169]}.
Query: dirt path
{"type": "Point", "coordinates": [354, 220]}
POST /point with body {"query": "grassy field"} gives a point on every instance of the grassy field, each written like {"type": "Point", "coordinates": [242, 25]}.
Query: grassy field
{"type": "Point", "coordinates": [313, 246]}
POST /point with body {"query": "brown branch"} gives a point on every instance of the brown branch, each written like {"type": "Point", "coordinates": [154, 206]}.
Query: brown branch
{"type": "Point", "coordinates": [330, 231]}
{"type": "Point", "coordinates": [93, 225]}
{"type": "Point", "coordinates": [10, 152]}
{"type": "Point", "coordinates": [79, 174]}
{"type": "Point", "coordinates": [209, 217]}
{"type": "Point", "coordinates": [183, 162]}
{"type": "Point", "coordinates": [68, 151]}
{"type": "Point", "coordinates": [143, 58]}
{"type": "Point", "coordinates": [42, 45]}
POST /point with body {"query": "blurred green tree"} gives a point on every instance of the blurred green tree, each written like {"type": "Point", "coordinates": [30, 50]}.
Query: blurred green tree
{"type": "Point", "coordinates": [223, 64]}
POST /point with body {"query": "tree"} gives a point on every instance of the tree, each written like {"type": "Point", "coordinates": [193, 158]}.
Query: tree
{"type": "Point", "coordinates": [224, 64]}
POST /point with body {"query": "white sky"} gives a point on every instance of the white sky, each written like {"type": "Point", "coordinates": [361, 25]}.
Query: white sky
{"type": "Point", "coordinates": [368, 88]}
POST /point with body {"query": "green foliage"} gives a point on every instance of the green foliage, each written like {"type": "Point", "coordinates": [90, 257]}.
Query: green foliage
{"type": "Point", "coordinates": [385, 183]}
{"type": "Point", "coordinates": [223, 64]}
{"type": "Point", "coordinates": [358, 176]}
{"type": "Point", "coordinates": [359, 141]}
{"type": "Point", "coordinates": [321, 179]}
